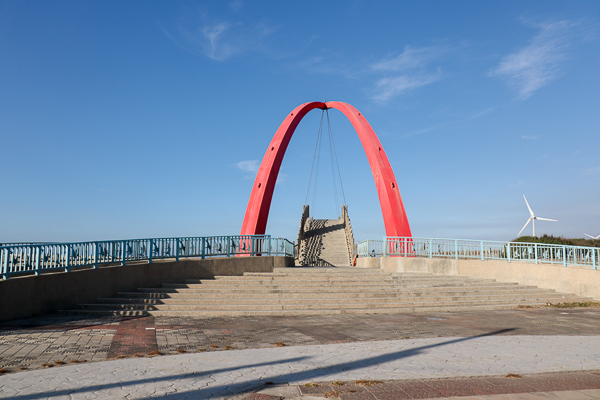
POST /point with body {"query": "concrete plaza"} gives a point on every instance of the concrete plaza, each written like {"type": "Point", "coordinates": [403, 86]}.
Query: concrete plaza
{"type": "Point", "coordinates": [552, 352]}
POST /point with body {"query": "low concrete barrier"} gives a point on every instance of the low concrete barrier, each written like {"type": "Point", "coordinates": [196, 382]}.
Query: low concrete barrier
{"type": "Point", "coordinates": [28, 296]}
{"type": "Point", "coordinates": [581, 281]}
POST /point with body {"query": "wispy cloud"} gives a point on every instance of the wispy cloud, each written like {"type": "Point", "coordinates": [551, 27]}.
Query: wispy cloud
{"type": "Point", "coordinates": [451, 124]}
{"type": "Point", "coordinates": [386, 88]}
{"type": "Point", "coordinates": [236, 5]}
{"type": "Point", "coordinates": [250, 167]}
{"type": "Point", "coordinates": [532, 137]}
{"type": "Point", "coordinates": [409, 70]}
{"type": "Point", "coordinates": [410, 58]}
{"type": "Point", "coordinates": [592, 171]}
{"type": "Point", "coordinates": [220, 39]}
{"type": "Point", "coordinates": [538, 63]}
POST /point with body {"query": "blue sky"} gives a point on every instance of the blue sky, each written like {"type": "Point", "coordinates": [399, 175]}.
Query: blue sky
{"type": "Point", "coordinates": [149, 118]}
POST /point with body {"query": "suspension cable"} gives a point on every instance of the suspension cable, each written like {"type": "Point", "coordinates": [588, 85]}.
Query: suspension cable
{"type": "Point", "coordinates": [314, 170]}
{"type": "Point", "coordinates": [316, 158]}
{"type": "Point", "coordinates": [334, 157]}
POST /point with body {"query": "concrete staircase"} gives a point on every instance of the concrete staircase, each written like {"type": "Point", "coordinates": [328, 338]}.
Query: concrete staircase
{"type": "Point", "coordinates": [324, 244]}
{"type": "Point", "coordinates": [315, 291]}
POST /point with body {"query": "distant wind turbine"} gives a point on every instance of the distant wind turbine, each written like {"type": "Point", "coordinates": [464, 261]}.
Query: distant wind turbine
{"type": "Point", "coordinates": [593, 237]}
{"type": "Point", "coordinates": [532, 218]}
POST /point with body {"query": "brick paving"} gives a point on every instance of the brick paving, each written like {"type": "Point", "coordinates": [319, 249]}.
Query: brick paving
{"type": "Point", "coordinates": [472, 386]}
{"type": "Point", "coordinates": [57, 340]}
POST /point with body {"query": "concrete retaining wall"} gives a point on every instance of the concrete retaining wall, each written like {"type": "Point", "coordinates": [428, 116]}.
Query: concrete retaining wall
{"type": "Point", "coordinates": [23, 297]}
{"type": "Point", "coordinates": [581, 281]}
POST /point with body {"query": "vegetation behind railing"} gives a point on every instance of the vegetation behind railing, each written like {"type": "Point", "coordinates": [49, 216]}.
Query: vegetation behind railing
{"type": "Point", "coordinates": [40, 257]}
{"type": "Point", "coordinates": [480, 250]}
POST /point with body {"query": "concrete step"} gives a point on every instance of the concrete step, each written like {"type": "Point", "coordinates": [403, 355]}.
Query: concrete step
{"type": "Point", "coordinates": [308, 295]}
{"type": "Point", "coordinates": [312, 311]}
{"type": "Point", "coordinates": [311, 289]}
{"type": "Point", "coordinates": [355, 301]}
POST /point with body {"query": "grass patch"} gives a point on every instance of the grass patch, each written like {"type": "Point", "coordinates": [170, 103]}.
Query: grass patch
{"type": "Point", "coordinates": [229, 348]}
{"type": "Point", "coordinates": [365, 382]}
{"type": "Point", "coordinates": [338, 383]}
{"type": "Point", "coordinates": [311, 384]}
{"type": "Point", "coordinates": [121, 356]}
{"type": "Point", "coordinates": [279, 344]}
{"type": "Point", "coordinates": [78, 361]}
{"type": "Point", "coordinates": [59, 362]}
{"type": "Point", "coordinates": [4, 371]}
{"type": "Point", "coordinates": [524, 306]}
{"type": "Point", "coordinates": [155, 353]}
{"type": "Point", "coordinates": [181, 350]}
{"type": "Point", "coordinates": [214, 346]}
{"type": "Point", "coordinates": [47, 365]}
{"type": "Point", "coordinates": [333, 393]}
{"type": "Point", "coordinates": [576, 304]}
{"type": "Point", "coordinates": [138, 355]}
{"type": "Point", "coordinates": [23, 368]}
{"type": "Point", "coordinates": [512, 376]}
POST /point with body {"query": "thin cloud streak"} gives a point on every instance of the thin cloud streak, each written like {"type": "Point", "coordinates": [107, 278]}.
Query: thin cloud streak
{"type": "Point", "coordinates": [392, 87]}
{"type": "Point", "coordinates": [249, 166]}
{"type": "Point", "coordinates": [413, 66]}
{"type": "Point", "coordinates": [450, 123]}
{"type": "Point", "coordinates": [538, 63]}
{"type": "Point", "coordinates": [409, 59]}
{"type": "Point", "coordinates": [220, 40]}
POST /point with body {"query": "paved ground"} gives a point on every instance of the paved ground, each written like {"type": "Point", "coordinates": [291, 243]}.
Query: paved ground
{"type": "Point", "coordinates": [413, 355]}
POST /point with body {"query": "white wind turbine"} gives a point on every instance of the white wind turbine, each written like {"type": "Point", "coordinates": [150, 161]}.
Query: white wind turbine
{"type": "Point", "coordinates": [593, 237]}
{"type": "Point", "coordinates": [533, 218]}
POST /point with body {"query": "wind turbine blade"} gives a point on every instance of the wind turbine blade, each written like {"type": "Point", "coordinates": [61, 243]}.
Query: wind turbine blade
{"type": "Point", "coordinates": [525, 226]}
{"type": "Point", "coordinates": [530, 212]}
{"type": "Point", "coordinates": [590, 236]}
{"type": "Point", "coordinates": [546, 219]}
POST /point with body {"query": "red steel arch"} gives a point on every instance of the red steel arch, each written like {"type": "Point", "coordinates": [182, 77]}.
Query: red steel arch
{"type": "Point", "coordinates": [257, 212]}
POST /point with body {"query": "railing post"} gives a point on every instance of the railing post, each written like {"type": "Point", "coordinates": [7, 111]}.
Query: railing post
{"type": "Point", "coordinates": [4, 263]}
{"type": "Point", "coordinates": [385, 246]}
{"type": "Point", "coordinates": [177, 249]}
{"type": "Point", "coordinates": [456, 249]}
{"type": "Point", "coordinates": [203, 247]}
{"type": "Point", "coordinates": [37, 261]}
{"type": "Point", "coordinates": [594, 258]}
{"type": "Point", "coordinates": [508, 251]}
{"type": "Point", "coordinates": [123, 250]}
{"type": "Point", "coordinates": [564, 256]}
{"type": "Point", "coordinates": [536, 252]}
{"type": "Point", "coordinates": [228, 246]}
{"type": "Point", "coordinates": [430, 249]}
{"type": "Point", "coordinates": [481, 243]}
{"type": "Point", "coordinates": [151, 251]}
{"type": "Point", "coordinates": [68, 266]}
{"type": "Point", "coordinates": [96, 256]}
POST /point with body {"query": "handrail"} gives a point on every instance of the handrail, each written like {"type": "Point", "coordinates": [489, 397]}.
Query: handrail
{"type": "Point", "coordinates": [40, 257]}
{"type": "Point", "coordinates": [348, 230]}
{"type": "Point", "coordinates": [480, 250]}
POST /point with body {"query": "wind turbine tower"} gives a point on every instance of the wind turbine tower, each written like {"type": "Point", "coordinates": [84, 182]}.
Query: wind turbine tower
{"type": "Point", "coordinates": [532, 218]}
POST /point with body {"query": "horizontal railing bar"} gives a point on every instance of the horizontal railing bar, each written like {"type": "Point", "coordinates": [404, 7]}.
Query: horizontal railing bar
{"type": "Point", "coordinates": [38, 257]}
{"type": "Point", "coordinates": [480, 249]}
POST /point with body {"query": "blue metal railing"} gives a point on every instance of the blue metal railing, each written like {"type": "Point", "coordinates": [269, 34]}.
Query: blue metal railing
{"type": "Point", "coordinates": [38, 257]}
{"type": "Point", "coordinates": [480, 250]}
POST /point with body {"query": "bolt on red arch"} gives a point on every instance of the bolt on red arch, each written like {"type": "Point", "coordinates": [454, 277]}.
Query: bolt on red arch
{"type": "Point", "coordinates": [392, 208]}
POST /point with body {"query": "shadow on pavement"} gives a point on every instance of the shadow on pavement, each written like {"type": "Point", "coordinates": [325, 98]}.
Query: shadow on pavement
{"type": "Point", "coordinates": [249, 386]}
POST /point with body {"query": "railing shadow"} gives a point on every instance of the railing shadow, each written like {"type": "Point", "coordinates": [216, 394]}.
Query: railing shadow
{"type": "Point", "coordinates": [230, 389]}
